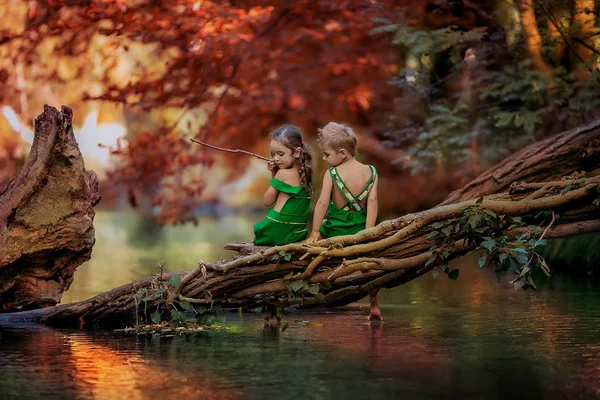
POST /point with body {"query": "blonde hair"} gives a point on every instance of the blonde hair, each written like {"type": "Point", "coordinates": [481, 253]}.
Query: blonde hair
{"type": "Point", "coordinates": [338, 136]}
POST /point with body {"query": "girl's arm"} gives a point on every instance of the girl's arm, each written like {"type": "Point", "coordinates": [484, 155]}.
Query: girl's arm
{"type": "Point", "coordinates": [321, 208]}
{"type": "Point", "coordinates": [270, 196]}
{"type": "Point", "coordinates": [372, 205]}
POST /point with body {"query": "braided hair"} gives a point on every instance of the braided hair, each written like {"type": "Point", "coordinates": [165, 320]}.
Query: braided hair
{"type": "Point", "coordinates": [291, 137]}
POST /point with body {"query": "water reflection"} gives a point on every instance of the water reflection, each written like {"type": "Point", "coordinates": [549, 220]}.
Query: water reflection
{"type": "Point", "coordinates": [447, 344]}
{"type": "Point", "coordinates": [44, 363]}
{"type": "Point", "coordinates": [128, 248]}
{"type": "Point", "coordinates": [443, 339]}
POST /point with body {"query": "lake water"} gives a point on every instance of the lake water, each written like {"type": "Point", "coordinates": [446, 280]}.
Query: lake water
{"type": "Point", "coordinates": [441, 339]}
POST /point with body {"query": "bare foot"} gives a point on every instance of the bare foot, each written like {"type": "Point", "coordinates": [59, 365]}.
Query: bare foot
{"type": "Point", "coordinates": [375, 314]}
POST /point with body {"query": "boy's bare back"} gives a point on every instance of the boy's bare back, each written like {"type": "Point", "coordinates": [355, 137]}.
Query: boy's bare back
{"type": "Point", "coordinates": [356, 176]}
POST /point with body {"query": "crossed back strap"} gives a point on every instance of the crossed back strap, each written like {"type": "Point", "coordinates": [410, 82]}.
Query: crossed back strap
{"type": "Point", "coordinates": [352, 201]}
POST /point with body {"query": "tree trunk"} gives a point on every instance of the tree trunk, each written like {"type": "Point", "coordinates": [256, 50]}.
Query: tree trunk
{"type": "Point", "coordinates": [584, 17]}
{"type": "Point", "coordinates": [509, 222]}
{"type": "Point", "coordinates": [531, 34]}
{"type": "Point", "coordinates": [575, 150]}
{"type": "Point", "coordinates": [46, 217]}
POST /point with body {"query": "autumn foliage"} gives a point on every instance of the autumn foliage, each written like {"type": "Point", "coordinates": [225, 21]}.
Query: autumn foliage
{"type": "Point", "coordinates": [250, 65]}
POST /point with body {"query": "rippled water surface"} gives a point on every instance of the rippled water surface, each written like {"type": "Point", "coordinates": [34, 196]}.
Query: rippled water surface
{"type": "Point", "coordinates": [469, 339]}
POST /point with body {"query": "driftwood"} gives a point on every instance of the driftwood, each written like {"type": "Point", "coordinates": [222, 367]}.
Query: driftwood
{"type": "Point", "coordinates": [341, 270]}
{"type": "Point", "coordinates": [46, 217]}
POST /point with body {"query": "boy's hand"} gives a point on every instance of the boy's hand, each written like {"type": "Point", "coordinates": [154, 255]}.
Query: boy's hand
{"type": "Point", "coordinates": [314, 236]}
{"type": "Point", "coordinates": [272, 167]}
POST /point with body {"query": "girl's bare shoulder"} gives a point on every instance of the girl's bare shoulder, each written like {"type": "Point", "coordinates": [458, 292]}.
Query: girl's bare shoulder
{"type": "Point", "coordinates": [291, 176]}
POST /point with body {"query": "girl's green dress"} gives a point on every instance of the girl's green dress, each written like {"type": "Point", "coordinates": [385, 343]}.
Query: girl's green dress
{"type": "Point", "coordinates": [352, 217]}
{"type": "Point", "coordinates": [287, 225]}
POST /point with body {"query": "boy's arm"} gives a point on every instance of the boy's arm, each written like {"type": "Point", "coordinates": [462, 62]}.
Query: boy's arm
{"type": "Point", "coordinates": [372, 205]}
{"type": "Point", "coordinates": [321, 208]}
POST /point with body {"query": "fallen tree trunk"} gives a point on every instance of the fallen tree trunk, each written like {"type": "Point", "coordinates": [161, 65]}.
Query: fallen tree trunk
{"type": "Point", "coordinates": [506, 228]}
{"type": "Point", "coordinates": [575, 150]}
{"type": "Point", "coordinates": [46, 217]}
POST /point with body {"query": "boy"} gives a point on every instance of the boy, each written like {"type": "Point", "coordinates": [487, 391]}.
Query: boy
{"type": "Point", "coordinates": [348, 200]}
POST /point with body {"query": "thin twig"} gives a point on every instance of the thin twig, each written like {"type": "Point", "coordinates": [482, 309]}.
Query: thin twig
{"type": "Point", "coordinates": [548, 227]}
{"type": "Point", "coordinates": [231, 150]}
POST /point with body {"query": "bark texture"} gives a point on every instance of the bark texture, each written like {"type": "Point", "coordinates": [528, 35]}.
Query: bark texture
{"type": "Point", "coordinates": [46, 217]}
{"type": "Point", "coordinates": [575, 150]}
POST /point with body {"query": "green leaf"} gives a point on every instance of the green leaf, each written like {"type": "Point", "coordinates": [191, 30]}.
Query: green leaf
{"type": "Point", "coordinates": [453, 274]}
{"type": "Point", "coordinates": [186, 305]}
{"type": "Point", "coordinates": [435, 272]}
{"type": "Point", "coordinates": [438, 225]}
{"type": "Point", "coordinates": [540, 242]}
{"type": "Point", "coordinates": [596, 202]}
{"type": "Point", "coordinates": [176, 315]}
{"type": "Point", "coordinates": [288, 257]}
{"type": "Point", "coordinates": [447, 230]}
{"type": "Point", "coordinates": [289, 275]}
{"type": "Point", "coordinates": [297, 285]}
{"type": "Point", "coordinates": [175, 281]}
{"type": "Point", "coordinates": [524, 271]}
{"type": "Point", "coordinates": [202, 309]}
{"type": "Point", "coordinates": [490, 212]}
{"type": "Point", "coordinates": [488, 244]}
{"type": "Point", "coordinates": [313, 289]}
{"type": "Point", "coordinates": [521, 250]}
{"type": "Point", "coordinates": [155, 317]}
{"type": "Point", "coordinates": [326, 285]}
{"type": "Point", "coordinates": [433, 234]}
{"type": "Point", "coordinates": [479, 201]}
{"type": "Point", "coordinates": [320, 297]}
{"type": "Point", "coordinates": [474, 220]}
{"type": "Point", "coordinates": [275, 257]}
{"type": "Point", "coordinates": [566, 189]}
{"type": "Point", "coordinates": [282, 253]}
{"type": "Point", "coordinates": [147, 298]}
{"type": "Point", "coordinates": [519, 283]}
{"type": "Point", "coordinates": [544, 266]}
{"type": "Point", "coordinates": [481, 261]}
{"type": "Point", "coordinates": [430, 261]}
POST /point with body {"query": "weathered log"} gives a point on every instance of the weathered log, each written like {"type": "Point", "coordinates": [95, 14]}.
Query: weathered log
{"type": "Point", "coordinates": [46, 217]}
{"type": "Point", "coordinates": [347, 268]}
{"type": "Point", "coordinates": [575, 150]}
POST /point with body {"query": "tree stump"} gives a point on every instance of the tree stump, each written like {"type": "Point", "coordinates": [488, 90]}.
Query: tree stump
{"type": "Point", "coordinates": [46, 217]}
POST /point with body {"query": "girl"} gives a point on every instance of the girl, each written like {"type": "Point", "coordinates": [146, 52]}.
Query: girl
{"type": "Point", "coordinates": [288, 197]}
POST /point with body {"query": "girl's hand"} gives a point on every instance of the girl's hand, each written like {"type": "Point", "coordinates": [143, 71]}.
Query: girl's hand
{"type": "Point", "coordinates": [272, 167]}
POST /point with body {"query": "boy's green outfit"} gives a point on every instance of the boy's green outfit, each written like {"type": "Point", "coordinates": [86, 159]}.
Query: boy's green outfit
{"type": "Point", "coordinates": [352, 217]}
{"type": "Point", "coordinates": [287, 225]}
